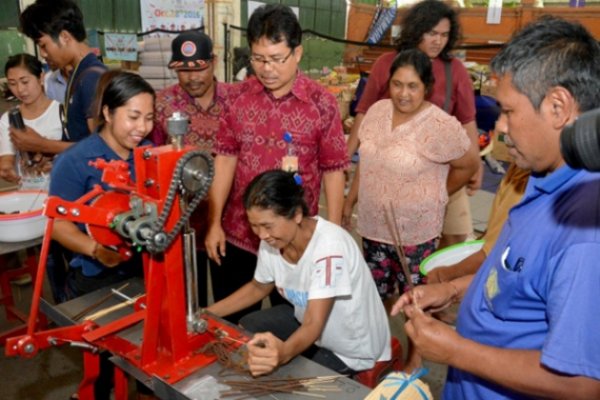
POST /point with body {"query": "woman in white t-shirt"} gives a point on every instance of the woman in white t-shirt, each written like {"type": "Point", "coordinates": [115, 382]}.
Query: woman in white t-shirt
{"type": "Point", "coordinates": [335, 316]}
{"type": "Point", "coordinates": [24, 74]}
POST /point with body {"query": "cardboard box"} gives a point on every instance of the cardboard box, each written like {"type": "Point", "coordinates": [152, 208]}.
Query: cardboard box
{"type": "Point", "coordinates": [489, 89]}
{"type": "Point", "coordinates": [500, 150]}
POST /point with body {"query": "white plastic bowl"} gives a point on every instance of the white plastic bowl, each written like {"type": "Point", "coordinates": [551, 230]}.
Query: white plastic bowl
{"type": "Point", "coordinates": [450, 255]}
{"type": "Point", "coordinates": [29, 223]}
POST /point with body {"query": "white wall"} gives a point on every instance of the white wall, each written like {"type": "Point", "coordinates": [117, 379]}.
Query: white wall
{"type": "Point", "coordinates": [217, 12]}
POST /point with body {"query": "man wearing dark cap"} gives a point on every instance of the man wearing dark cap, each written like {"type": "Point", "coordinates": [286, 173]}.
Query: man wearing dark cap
{"type": "Point", "coordinates": [197, 94]}
{"type": "Point", "coordinates": [200, 97]}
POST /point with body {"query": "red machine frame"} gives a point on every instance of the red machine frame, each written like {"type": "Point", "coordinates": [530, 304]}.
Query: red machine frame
{"type": "Point", "coordinates": [168, 349]}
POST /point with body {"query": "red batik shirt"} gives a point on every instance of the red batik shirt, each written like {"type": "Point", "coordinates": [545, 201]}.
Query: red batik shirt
{"type": "Point", "coordinates": [203, 124]}
{"type": "Point", "coordinates": [253, 125]}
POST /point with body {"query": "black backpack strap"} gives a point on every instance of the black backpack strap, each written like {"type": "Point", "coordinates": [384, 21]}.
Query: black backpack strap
{"type": "Point", "coordinates": [448, 70]}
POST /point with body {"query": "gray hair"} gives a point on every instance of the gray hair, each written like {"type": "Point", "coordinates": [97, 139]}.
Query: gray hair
{"type": "Point", "coordinates": [552, 52]}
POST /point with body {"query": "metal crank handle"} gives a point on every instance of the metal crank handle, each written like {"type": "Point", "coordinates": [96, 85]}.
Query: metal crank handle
{"type": "Point", "coordinates": [73, 343]}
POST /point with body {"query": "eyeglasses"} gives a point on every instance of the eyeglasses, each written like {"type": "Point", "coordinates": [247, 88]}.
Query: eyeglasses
{"type": "Point", "coordinates": [273, 62]}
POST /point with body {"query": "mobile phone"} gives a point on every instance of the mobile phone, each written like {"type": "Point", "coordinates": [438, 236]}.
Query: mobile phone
{"type": "Point", "coordinates": [16, 119]}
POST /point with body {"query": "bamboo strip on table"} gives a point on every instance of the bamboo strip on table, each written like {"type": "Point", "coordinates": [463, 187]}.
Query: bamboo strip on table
{"type": "Point", "coordinates": [108, 310]}
{"type": "Point", "coordinates": [98, 303]}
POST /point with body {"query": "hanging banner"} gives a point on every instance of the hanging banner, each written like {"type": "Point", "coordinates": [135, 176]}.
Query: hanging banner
{"type": "Point", "coordinates": [173, 15]}
{"type": "Point", "coordinates": [121, 46]}
{"type": "Point", "coordinates": [382, 21]}
{"type": "Point", "coordinates": [494, 12]}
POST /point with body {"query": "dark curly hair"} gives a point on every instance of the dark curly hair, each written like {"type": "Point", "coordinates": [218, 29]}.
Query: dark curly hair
{"type": "Point", "coordinates": [423, 17]}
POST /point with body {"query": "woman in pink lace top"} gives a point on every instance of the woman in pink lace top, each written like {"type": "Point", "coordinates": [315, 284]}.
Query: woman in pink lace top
{"type": "Point", "coordinates": [412, 156]}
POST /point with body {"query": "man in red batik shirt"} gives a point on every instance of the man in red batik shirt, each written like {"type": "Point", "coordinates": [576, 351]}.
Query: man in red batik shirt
{"type": "Point", "coordinates": [277, 119]}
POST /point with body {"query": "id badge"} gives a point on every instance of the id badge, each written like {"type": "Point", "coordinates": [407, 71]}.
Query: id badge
{"type": "Point", "coordinates": [289, 163]}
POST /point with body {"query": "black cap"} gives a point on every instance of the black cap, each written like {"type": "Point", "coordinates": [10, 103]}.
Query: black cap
{"type": "Point", "coordinates": [192, 49]}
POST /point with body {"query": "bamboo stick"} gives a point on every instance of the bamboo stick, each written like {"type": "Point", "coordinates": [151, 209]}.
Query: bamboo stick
{"type": "Point", "coordinates": [298, 386]}
{"type": "Point", "coordinates": [108, 310]}
{"type": "Point", "coordinates": [98, 303]}
{"type": "Point", "coordinates": [395, 232]}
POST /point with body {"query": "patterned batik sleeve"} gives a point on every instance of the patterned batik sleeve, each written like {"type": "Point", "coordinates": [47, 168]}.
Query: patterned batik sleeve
{"type": "Point", "coordinates": [332, 144]}
{"type": "Point", "coordinates": [158, 135]}
{"type": "Point", "coordinates": [226, 142]}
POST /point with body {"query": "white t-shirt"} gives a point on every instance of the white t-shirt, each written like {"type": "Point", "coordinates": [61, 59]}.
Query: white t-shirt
{"type": "Point", "coordinates": [332, 266]}
{"type": "Point", "coordinates": [34, 169]}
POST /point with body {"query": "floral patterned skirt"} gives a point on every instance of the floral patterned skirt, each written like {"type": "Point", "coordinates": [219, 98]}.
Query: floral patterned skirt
{"type": "Point", "coordinates": [383, 261]}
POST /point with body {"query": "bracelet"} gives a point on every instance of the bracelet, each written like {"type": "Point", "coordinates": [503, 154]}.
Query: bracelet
{"type": "Point", "coordinates": [455, 296]}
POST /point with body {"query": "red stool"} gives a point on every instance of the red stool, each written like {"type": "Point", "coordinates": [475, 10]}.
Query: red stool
{"type": "Point", "coordinates": [373, 376]}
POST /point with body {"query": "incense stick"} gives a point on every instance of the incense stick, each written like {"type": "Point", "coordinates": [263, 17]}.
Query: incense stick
{"type": "Point", "coordinates": [101, 301]}
{"type": "Point", "coordinates": [395, 232]}
{"type": "Point", "coordinates": [111, 309]}
{"type": "Point", "coordinates": [297, 386]}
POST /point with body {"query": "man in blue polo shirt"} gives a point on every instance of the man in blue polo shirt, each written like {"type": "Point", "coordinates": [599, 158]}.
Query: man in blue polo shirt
{"type": "Point", "coordinates": [528, 326]}
{"type": "Point", "coordinates": [57, 28]}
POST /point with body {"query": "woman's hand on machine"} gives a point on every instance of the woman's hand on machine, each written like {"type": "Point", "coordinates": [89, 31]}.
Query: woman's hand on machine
{"type": "Point", "coordinates": [106, 256]}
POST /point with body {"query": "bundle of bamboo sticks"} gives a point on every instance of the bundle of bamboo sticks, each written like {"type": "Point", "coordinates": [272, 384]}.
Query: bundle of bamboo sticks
{"type": "Point", "coordinates": [309, 387]}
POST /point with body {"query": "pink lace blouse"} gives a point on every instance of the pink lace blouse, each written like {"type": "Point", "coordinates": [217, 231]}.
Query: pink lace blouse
{"type": "Point", "coordinates": [406, 168]}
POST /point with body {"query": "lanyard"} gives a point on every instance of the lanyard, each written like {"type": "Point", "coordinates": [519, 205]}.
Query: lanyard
{"type": "Point", "coordinates": [69, 91]}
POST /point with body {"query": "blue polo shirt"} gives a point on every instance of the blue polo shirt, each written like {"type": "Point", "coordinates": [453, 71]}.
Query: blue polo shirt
{"type": "Point", "coordinates": [72, 177]}
{"type": "Point", "coordinates": [82, 86]}
{"type": "Point", "coordinates": [538, 288]}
